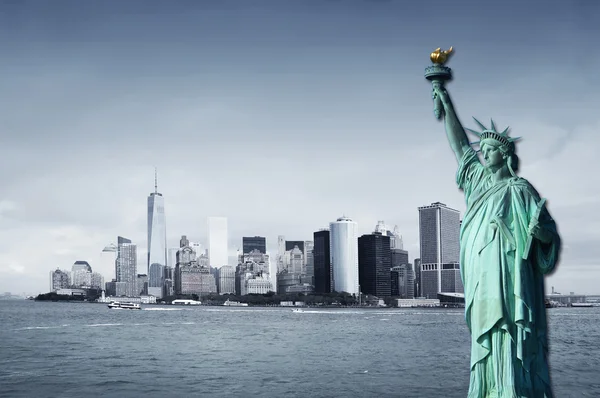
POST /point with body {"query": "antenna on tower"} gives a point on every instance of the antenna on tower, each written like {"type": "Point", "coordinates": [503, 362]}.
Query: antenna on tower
{"type": "Point", "coordinates": [155, 180]}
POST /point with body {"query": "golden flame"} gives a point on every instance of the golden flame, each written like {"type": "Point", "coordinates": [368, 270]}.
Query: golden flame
{"type": "Point", "coordinates": [440, 56]}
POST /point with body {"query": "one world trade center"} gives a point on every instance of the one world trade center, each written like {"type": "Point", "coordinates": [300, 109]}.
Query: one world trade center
{"type": "Point", "coordinates": [157, 241]}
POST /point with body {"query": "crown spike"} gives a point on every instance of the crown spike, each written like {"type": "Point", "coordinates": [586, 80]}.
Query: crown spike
{"type": "Point", "coordinates": [479, 123]}
{"type": "Point", "coordinates": [503, 138]}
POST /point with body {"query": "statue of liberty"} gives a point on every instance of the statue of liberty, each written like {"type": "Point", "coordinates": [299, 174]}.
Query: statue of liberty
{"type": "Point", "coordinates": [508, 242]}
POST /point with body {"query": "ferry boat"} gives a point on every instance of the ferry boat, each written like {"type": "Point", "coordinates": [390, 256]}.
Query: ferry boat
{"type": "Point", "coordinates": [186, 302]}
{"type": "Point", "coordinates": [124, 306]}
{"type": "Point", "coordinates": [234, 304]}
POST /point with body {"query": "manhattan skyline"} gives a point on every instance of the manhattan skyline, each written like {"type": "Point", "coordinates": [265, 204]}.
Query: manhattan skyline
{"type": "Point", "coordinates": [281, 117]}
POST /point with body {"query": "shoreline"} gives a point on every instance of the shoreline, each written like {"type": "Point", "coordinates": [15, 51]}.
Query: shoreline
{"type": "Point", "coordinates": [315, 307]}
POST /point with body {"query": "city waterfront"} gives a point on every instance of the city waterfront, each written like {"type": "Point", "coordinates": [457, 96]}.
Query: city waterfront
{"type": "Point", "coordinates": [65, 349]}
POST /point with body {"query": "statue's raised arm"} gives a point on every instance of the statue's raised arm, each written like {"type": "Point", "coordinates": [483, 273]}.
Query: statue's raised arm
{"type": "Point", "coordinates": [438, 74]}
{"type": "Point", "coordinates": [457, 137]}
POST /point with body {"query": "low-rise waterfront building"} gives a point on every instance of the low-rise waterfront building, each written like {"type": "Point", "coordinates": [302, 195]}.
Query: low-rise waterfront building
{"type": "Point", "coordinates": [71, 292]}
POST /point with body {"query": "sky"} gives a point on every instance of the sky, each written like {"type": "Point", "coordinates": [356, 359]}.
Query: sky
{"type": "Point", "coordinates": [281, 116]}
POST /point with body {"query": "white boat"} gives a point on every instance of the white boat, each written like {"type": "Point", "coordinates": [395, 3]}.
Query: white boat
{"type": "Point", "coordinates": [582, 305]}
{"type": "Point", "coordinates": [297, 310]}
{"type": "Point", "coordinates": [228, 303]}
{"type": "Point", "coordinates": [124, 306]}
{"type": "Point", "coordinates": [186, 302]}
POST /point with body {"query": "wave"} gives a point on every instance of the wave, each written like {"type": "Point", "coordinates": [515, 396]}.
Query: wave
{"type": "Point", "coordinates": [341, 312]}
{"type": "Point", "coordinates": [40, 327]}
{"type": "Point", "coordinates": [95, 325]}
{"type": "Point", "coordinates": [65, 326]}
{"type": "Point", "coordinates": [165, 309]}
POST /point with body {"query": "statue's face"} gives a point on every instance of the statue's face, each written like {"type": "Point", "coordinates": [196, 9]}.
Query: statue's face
{"type": "Point", "coordinates": [492, 155]}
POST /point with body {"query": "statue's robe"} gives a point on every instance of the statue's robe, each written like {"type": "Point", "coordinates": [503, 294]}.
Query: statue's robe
{"type": "Point", "coordinates": [504, 293]}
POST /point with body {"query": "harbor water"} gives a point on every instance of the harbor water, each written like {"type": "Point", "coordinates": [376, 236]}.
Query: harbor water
{"type": "Point", "coordinates": [72, 349]}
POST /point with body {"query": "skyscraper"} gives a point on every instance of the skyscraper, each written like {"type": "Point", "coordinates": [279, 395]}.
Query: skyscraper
{"type": "Point", "coordinates": [344, 255]}
{"type": "Point", "coordinates": [172, 257]}
{"type": "Point", "coordinates": [250, 243]}
{"type": "Point", "coordinates": [439, 233]}
{"type": "Point", "coordinates": [226, 280]}
{"type": "Point", "coordinates": [59, 279]}
{"type": "Point", "coordinates": [417, 270]}
{"type": "Point", "coordinates": [198, 248]}
{"type": "Point", "coordinates": [253, 273]}
{"type": "Point", "coordinates": [284, 248]}
{"type": "Point", "coordinates": [81, 274]}
{"type": "Point", "coordinates": [190, 276]}
{"type": "Point", "coordinates": [403, 278]}
{"type": "Point", "coordinates": [374, 263]}
{"type": "Point", "coordinates": [399, 256]}
{"type": "Point", "coordinates": [309, 261]}
{"type": "Point", "coordinates": [126, 265]}
{"type": "Point", "coordinates": [322, 261]}
{"type": "Point", "coordinates": [217, 242]}
{"type": "Point", "coordinates": [157, 241]}
{"type": "Point", "coordinates": [395, 237]}
{"type": "Point", "coordinates": [280, 253]}
{"type": "Point", "coordinates": [403, 281]}
{"type": "Point", "coordinates": [295, 260]}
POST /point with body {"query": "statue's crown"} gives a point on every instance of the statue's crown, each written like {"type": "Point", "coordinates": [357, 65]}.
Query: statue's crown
{"type": "Point", "coordinates": [492, 134]}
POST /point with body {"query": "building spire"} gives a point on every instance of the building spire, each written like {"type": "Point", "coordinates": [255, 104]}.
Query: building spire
{"type": "Point", "coordinates": [155, 180]}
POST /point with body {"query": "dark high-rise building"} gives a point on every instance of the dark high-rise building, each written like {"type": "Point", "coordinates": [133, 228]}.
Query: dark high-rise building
{"type": "Point", "coordinates": [322, 262]}
{"type": "Point", "coordinates": [374, 263]}
{"type": "Point", "coordinates": [403, 281]}
{"type": "Point", "coordinates": [395, 282]}
{"type": "Point", "coordinates": [399, 257]}
{"type": "Point", "coordinates": [417, 269]}
{"type": "Point", "coordinates": [402, 274]}
{"type": "Point", "coordinates": [439, 232]}
{"type": "Point", "coordinates": [254, 243]}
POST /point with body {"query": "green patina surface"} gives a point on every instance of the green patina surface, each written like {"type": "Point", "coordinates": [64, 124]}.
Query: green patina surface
{"type": "Point", "coordinates": [508, 243]}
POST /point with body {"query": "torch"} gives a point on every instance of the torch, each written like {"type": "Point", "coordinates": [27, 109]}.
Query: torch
{"type": "Point", "coordinates": [437, 74]}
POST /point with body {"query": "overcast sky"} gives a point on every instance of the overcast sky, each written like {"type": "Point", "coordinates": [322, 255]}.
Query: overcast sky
{"type": "Point", "coordinates": [281, 116]}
